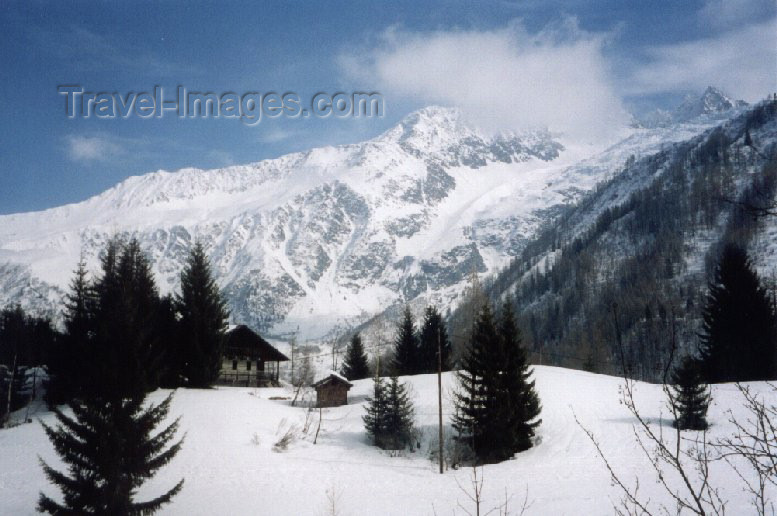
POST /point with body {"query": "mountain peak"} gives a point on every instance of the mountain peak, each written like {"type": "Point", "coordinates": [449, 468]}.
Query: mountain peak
{"type": "Point", "coordinates": [711, 102]}
{"type": "Point", "coordinates": [432, 128]}
{"type": "Point", "coordinates": [710, 105]}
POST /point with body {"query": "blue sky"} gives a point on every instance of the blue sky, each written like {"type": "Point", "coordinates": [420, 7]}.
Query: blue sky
{"type": "Point", "coordinates": [574, 66]}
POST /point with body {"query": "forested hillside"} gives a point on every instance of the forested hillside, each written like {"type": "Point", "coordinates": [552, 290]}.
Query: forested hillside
{"type": "Point", "coordinates": [634, 257]}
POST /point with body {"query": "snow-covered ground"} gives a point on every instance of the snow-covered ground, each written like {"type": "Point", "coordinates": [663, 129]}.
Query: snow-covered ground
{"type": "Point", "coordinates": [230, 466]}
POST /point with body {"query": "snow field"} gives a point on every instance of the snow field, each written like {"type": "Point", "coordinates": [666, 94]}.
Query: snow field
{"type": "Point", "coordinates": [230, 466]}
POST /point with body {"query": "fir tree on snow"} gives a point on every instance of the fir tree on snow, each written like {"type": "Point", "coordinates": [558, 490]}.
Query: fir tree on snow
{"type": "Point", "coordinates": [523, 403]}
{"type": "Point", "coordinates": [398, 417]}
{"type": "Point", "coordinates": [203, 320]}
{"type": "Point", "coordinates": [109, 444]}
{"type": "Point", "coordinates": [374, 419]}
{"type": "Point", "coordinates": [689, 396]}
{"type": "Point", "coordinates": [432, 329]}
{"type": "Point", "coordinates": [739, 334]}
{"type": "Point", "coordinates": [389, 417]}
{"type": "Point", "coordinates": [496, 404]}
{"type": "Point", "coordinates": [406, 346]}
{"type": "Point", "coordinates": [110, 452]}
{"type": "Point", "coordinates": [355, 365]}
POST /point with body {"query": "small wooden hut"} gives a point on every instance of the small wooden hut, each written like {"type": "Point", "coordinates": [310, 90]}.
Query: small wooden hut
{"type": "Point", "coordinates": [332, 390]}
{"type": "Point", "coordinates": [249, 360]}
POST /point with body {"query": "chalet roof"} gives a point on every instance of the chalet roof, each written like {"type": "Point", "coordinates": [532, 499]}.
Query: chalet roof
{"type": "Point", "coordinates": [242, 340]}
{"type": "Point", "coordinates": [332, 377]}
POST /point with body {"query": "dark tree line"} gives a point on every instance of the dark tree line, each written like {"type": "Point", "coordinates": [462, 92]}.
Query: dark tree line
{"type": "Point", "coordinates": [121, 341]}
{"type": "Point", "coordinates": [416, 351]}
{"type": "Point", "coordinates": [24, 341]}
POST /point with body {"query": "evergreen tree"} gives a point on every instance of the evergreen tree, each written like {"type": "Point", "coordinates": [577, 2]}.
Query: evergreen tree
{"type": "Point", "coordinates": [108, 443]}
{"type": "Point", "coordinates": [169, 334]}
{"type": "Point", "coordinates": [406, 346]}
{"type": "Point", "coordinates": [389, 417]}
{"type": "Point", "coordinates": [72, 353]}
{"type": "Point", "coordinates": [689, 396]}
{"type": "Point", "coordinates": [478, 401]}
{"type": "Point", "coordinates": [110, 452]}
{"type": "Point", "coordinates": [203, 320]}
{"type": "Point", "coordinates": [355, 366]}
{"type": "Point", "coordinates": [398, 417]}
{"type": "Point", "coordinates": [497, 407]}
{"type": "Point", "coordinates": [374, 419]}
{"type": "Point", "coordinates": [433, 327]}
{"type": "Point", "coordinates": [125, 346]}
{"type": "Point", "coordinates": [739, 336]}
{"type": "Point", "coordinates": [522, 405]}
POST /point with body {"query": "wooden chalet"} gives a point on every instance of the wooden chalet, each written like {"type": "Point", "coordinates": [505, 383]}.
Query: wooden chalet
{"type": "Point", "coordinates": [332, 390]}
{"type": "Point", "coordinates": [249, 360]}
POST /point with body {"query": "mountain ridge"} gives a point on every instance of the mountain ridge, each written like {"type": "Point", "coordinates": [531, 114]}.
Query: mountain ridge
{"type": "Point", "coordinates": [332, 235]}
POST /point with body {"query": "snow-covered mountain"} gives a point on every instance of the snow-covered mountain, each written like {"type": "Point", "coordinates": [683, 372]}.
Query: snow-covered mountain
{"type": "Point", "coordinates": [711, 106]}
{"type": "Point", "coordinates": [333, 235]}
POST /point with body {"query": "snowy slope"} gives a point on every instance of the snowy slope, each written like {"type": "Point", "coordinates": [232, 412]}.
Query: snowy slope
{"type": "Point", "coordinates": [230, 468]}
{"type": "Point", "coordinates": [333, 235]}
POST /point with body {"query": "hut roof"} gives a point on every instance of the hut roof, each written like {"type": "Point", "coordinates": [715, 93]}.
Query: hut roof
{"type": "Point", "coordinates": [243, 340]}
{"type": "Point", "coordinates": [332, 377]}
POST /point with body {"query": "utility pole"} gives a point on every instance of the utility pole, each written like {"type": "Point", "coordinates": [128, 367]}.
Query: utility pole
{"type": "Point", "coordinates": [439, 392]}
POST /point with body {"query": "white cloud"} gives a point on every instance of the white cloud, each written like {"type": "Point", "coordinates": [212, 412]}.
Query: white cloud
{"type": "Point", "coordinates": [503, 79]}
{"type": "Point", "coordinates": [92, 148]}
{"type": "Point", "coordinates": [743, 62]}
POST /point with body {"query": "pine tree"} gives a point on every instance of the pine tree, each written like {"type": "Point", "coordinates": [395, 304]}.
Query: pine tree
{"type": "Point", "coordinates": [739, 335]}
{"type": "Point", "coordinates": [355, 366]}
{"type": "Point", "coordinates": [406, 346]}
{"type": "Point", "coordinates": [72, 351]}
{"type": "Point", "coordinates": [108, 443]}
{"type": "Point", "coordinates": [125, 346]}
{"type": "Point", "coordinates": [374, 419]}
{"type": "Point", "coordinates": [497, 407]}
{"type": "Point", "coordinates": [433, 327]}
{"type": "Point", "coordinates": [689, 396]}
{"type": "Point", "coordinates": [523, 404]}
{"type": "Point", "coordinates": [477, 402]}
{"type": "Point", "coordinates": [389, 417]}
{"type": "Point", "coordinates": [110, 452]}
{"type": "Point", "coordinates": [203, 320]}
{"type": "Point", "coordinates": [398, 417]}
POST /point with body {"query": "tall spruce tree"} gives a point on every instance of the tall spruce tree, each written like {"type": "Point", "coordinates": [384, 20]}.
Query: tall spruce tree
{"type": "Point", "coordinates": [398, 417]}
{"type": "Point", "coordinates": [110, 452]}
{"type": "Point", "coordinates": [108, 443]}
{"type": "Point", "coordinates": [374, 419]}
{"type": "Point", "coordinates": [479, 405]}
{"type": "Point", "coordinates": [739, 336]}
{"type": "Point", "coordinates": [355, 366]}
{"type": "Point", "coordinates": [72, 351]}
{"type": "Point", "coordinates": [203, 320]}
{"type": "Point", "coordinates": [126, 348]}
{"type": "Point", "coordinates": [522, 405]}
{"type": "Point", "coordinates": [497, 407]}
{"type": "Point", "coordinates": [406, 346]}
{"type": "Point", "coordinates": [689, 395]}
{"type": "Point", "coordinates": [389, 417]}
{"type": "Point", "coordinates": [432, 329]}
